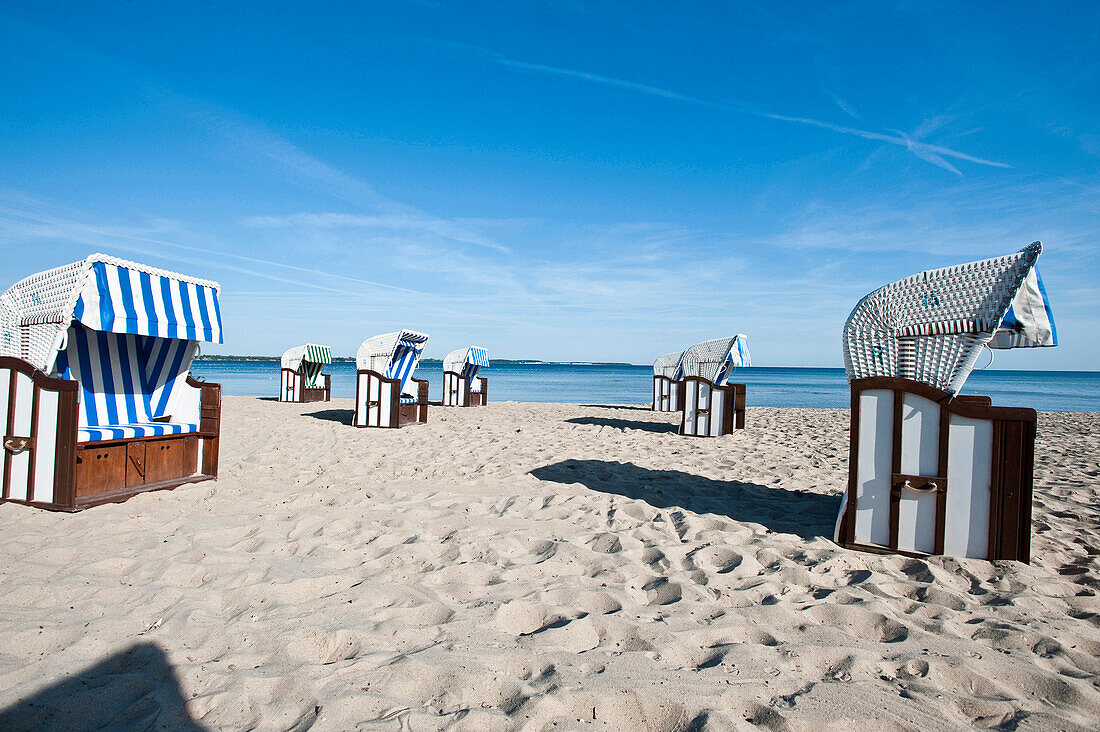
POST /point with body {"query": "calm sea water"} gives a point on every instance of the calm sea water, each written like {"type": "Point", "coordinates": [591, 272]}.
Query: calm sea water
{"type": "Point", "coordinates": [1058, 391]}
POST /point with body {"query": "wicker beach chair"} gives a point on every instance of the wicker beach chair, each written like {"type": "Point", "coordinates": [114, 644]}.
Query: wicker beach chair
{"type": "Point", "coordinates": [462, 387]}
{"type": "Point", "coordinates": [666, 386]}
{"type": "Point", "coordinates": [95, 386]}
{"type": "Point", "coordinates": [932, 472]}
{"type": "Point", "coordinates": [711, 405]}
{"type": "Point", "coordinates": [386, 394]}
{"type": "Point", "coordinates": [301, 379]}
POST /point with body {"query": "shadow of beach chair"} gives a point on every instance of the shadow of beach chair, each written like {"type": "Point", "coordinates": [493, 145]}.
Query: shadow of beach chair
{"type": "Point", "coordinates": [803, 513]}
{"type": "Point", "coordinates": [95, 383]}
{"type": "Point", "coordinates": [386, 394]}
{"type": "Point", "coordinates": [930, 471]}
{"type": "Point", "coordinates": [462, 387]}
{"type": "Point", "coordinates": [301, 379]}
{"type": "Point", "coordinates": [133, 689]}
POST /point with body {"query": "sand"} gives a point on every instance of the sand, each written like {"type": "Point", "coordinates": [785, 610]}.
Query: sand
{"type": "Point", "coordinates": [540, 567]}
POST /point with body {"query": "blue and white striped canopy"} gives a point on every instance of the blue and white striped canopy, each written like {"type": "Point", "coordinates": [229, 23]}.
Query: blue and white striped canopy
{"type": "Point", "coordinates": [737, 356]}
{"type": "Point", "coordinates": [1028, 322]}
{"type": "Point", "coordinates": [466, 361]}
{"type": "Point", "coordinates": [120, 299]}
{"type": "Point", "coordinates": [412, 339]}
{"type": "Point", "coordinates": [477, 356]}
{"type": "Point", "coordinates": [406, 354]}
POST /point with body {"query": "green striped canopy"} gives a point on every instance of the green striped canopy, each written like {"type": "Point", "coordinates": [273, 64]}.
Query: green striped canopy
{"type": "Point", "coordinates": [308, 360]}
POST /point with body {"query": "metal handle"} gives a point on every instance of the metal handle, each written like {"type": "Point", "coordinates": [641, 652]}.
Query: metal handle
{"type": "Point", "coordinates": [17, 445]}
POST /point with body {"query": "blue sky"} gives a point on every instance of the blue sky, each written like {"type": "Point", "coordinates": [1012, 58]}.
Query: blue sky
{"type": "Point", "coordinates": [560, 180]}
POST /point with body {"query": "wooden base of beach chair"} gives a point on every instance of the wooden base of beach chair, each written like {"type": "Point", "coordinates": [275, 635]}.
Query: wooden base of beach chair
{"type": "Point", "coordinates": [666, 395]}
{"type": "Point", "coordinates": [710, 410]}
{"type": "Point", "coordinates": [929, 474]}
{"type": "Point", "coordinates": [44, 465]}
{"type": "Point", "coordinates": [378, 402]}
{"type": "Point", "coordinates": [293, 389]}
{"type": "Point", "coordinates": [458, 391]}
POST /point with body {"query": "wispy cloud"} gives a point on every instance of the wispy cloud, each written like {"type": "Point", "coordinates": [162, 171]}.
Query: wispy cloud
{"type": "Point", "coordinates": [256, 138]}
{"type": "Point", "coordinates": [934, 154]}
{"type": "Point", "coordinates": [25, 224]}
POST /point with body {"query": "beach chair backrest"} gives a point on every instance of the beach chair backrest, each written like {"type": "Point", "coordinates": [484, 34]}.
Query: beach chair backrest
{"type": "Point", "coordinates": [125, 331]}
{"type": "Point", "coordinates": [394, 355]}
{"type": "Point", "coordinates": [124, 378]}
{"type": "Point", "coordinates": [466, 362]}
{"type": "Point", "coordinates": [931, 327]}
{"type": "Point", "coordinates": [715, 360]}
{"type": "Point", "coordinates": [668, 365]}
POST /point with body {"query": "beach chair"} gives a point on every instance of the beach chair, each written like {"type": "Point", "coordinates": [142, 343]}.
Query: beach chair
{"type": "Point", "coordinates": [930, 471]}
{"type": "Point", "coordinates": [301, 379]}
{"type": "Point", "coordinates": [462, 387]}
{"type": "Point", "coordinates": [711, 405]}
{"type": "Point", "coordinates": [386, 394]}
{"type": "Point", "coordinates": [95, 386]}
{"type": "Point", "coordinates": [666, 382]}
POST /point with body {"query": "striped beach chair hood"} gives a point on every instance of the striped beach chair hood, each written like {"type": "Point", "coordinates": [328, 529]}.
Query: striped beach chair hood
{"type": "Point", "coordinates": [394, 355]}
{"type": "Point", "coordinates": [931, 327]}
{"type": "Point", "coordinates": [309, 359]}
{"type": "Point", "coordinates": [715, 359]}
{"type": "Point", "coordinates": [466, 361]}
{"type": "Point", "coordinates": [108, 295]}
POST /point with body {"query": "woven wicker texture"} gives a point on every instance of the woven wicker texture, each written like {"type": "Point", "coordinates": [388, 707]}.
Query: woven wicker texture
{"type": "Point", "coordinates": [931, 327]}
{"type": "Point", "coordinates": [35, 313]}
{"type": "Point", "coordinates": [708, 359]}
{"type": "Point", "coordinates": [374, 354]}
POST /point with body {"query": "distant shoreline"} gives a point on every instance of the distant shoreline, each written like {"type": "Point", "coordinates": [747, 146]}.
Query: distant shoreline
{"type": "Point", "coordinates": [536, 362]}
{"type": "Point", "coordinates": [350, 359]}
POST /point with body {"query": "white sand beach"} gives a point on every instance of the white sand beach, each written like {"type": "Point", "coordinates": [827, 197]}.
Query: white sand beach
{"type": "Point", "coordinates": [540, 566]}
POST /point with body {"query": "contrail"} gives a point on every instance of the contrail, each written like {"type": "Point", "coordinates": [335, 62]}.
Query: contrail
{"type": "Point", "coordinates": [929, 153]}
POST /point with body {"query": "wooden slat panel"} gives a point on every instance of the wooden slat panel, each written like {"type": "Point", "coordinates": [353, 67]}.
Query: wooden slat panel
{"type": "Point", "coordinates": [895, 466]}
{"type": "Point", "coordinates": [100, 469]}
{"type": "Point", "coordinates": [9, 426]}
{"type": "Point", "coordinates": [1011, 479]}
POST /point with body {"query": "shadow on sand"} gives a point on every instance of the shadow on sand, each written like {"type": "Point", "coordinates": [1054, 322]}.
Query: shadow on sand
{"type": "Point", "coordinates": [626, 424]}
{"type": "Point", "coordinates": [792, 512]}
{"type": "Point", "coordinates": [133, 689]}
{"type": "Point", "coordinates": [632, 407]}
{"type": "Point", "coordinates": [343, 416]}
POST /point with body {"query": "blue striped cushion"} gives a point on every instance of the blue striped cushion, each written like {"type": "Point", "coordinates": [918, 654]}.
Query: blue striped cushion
{"type": "Point", "coordinates": [409, 400]}
{"type": "Point", "coordinates": [143, 429]}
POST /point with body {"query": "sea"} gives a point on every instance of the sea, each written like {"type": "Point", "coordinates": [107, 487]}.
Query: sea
{"type": "Point", "coordinates": [1048, 391]}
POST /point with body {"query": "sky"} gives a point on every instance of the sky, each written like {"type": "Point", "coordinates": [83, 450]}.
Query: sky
{"type": "Point", "coordinates": [572, 181]}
